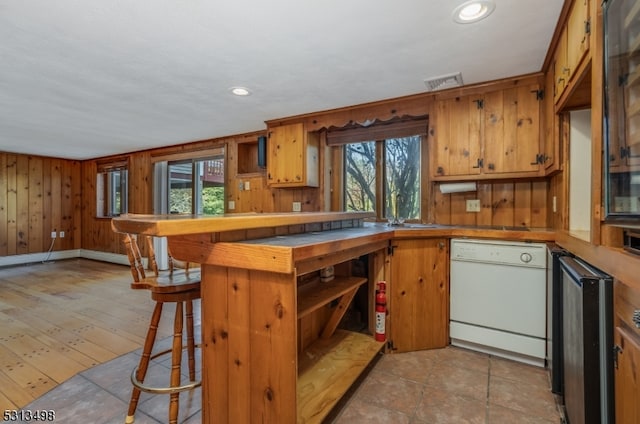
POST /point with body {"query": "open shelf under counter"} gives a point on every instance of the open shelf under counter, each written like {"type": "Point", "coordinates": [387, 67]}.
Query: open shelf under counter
{"type": "Point", "coordinates": [328, 368]}
{"type": "Point", "coordinates": [317, 294]}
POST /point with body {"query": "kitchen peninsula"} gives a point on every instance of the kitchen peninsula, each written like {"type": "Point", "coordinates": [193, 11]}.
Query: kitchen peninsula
{"type": "Point", "coordinates": [256, 365]}
{"type": "Point", "coordinates": [265, 359]}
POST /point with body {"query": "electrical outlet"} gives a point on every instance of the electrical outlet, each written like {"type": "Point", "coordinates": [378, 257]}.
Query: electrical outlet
{"type": "Point", "coordinates": [232, 205]}
{"type": "Point", "coordinates": [61, 234]}
{"type": "Point", "coordinates": [297, 206]}
{"type": "Point", "coordinates": [53, 234]}
{"type": "Point", "coordinates": [247, 185]}
{"type": "Point", "coordinates": [473, 205]}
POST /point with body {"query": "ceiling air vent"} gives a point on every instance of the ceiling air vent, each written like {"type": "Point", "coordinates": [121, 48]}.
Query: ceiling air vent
{"type": "Point", "coordinates": [444, 81]}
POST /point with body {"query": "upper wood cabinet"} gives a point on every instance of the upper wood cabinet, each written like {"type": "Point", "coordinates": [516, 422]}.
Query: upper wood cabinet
{"type": "Point", "coordinates": [293, 157]}
{"type": "Point", "coordinates": [489, 135]}
{"type": "Point", "coordinates": [560, 67]}
{"type": "Point", "coordinates": [456, 147]}
{"type": "Point", "coordinates": [572, 47]}
{"type": "Point", "coordinates": [419, 294]}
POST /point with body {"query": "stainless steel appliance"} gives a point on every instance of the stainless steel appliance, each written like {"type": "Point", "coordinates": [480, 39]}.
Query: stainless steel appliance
{"type": "Point", "coordinates": [498, 298]}
{"type": "Point", "coordinates": [587, 343]}
{"type": "Point", "coordinates": [554, 318]}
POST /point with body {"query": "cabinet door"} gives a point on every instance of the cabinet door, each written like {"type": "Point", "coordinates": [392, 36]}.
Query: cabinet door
{"type": "Point", "coordinates": [419, 294]}
{"type": "Point", "coordinates": [456, 144]}
{"type": "Point", "coordinates": [627, 377]}
{"type": "Point", "coordinates": [512, 130]}
{"type": "Point", "coordinates": [577, 34]}
{"type": "Point", "coordinates": [292, 159]}
{"type": "Point", "coordinates": [560, 67]}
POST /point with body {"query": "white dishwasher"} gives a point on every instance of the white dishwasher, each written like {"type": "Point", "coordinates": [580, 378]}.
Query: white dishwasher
{"type": "Point", "coordinates": [498, 298]}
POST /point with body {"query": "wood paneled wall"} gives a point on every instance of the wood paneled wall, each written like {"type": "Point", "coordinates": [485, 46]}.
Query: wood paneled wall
{"type": "Point", "coordinates": [507, 203]}
{"type": "Point", "coordinates": [38, 195]}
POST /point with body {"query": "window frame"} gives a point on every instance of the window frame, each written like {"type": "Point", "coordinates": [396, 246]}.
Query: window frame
{"type": "Point", "coordinates": [112, 181]}
{"type": "Point", "coordinates": [198, 164]}
{"type": "Point", "coordinates": [381, 176]}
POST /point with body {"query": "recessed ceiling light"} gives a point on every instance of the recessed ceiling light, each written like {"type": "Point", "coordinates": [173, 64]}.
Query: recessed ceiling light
{"type": "Point", "coordinates": [240, 91]}
{"type": "Point", "coordinates": [473, 11]}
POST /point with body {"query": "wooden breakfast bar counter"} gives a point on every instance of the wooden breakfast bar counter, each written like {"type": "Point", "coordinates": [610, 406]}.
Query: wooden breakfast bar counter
{"type": "Point", "coordinates": [264, 358]}
{"type": "Point", "coordinates": [271, 350]}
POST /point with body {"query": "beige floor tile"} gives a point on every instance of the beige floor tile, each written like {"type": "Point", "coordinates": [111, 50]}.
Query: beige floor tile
{"type": "Point", "coordinates": [366, 413]}
{"type": "Point", "coordinates": [414, 366]}
{"type": "Point", "coordinates": [440, 407]}
{"type": "Point", "coordinates": [524, 396]}
{"type": "Point", "coordinates": [502, 415]}
{"type": "Point", "coordinates": [462, 381]}
{"type": "Point", "coordinates": [390, 392]}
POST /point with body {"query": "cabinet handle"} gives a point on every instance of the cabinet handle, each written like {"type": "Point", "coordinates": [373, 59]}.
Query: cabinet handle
{"type": "Point", "coordinates": [636, 318]}
{"type": "Point", "coordinates": [540, 159]}
{"type": "Point", "coordinates": [565, 70]}
{"type": "Point", "coordinates": [478, 164]}
{"type": "Point", "coordinates": [616, 351]}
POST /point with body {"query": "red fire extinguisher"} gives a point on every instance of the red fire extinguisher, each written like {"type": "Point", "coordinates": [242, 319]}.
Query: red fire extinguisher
{"type": "Point", "coordinates": [381, 311]}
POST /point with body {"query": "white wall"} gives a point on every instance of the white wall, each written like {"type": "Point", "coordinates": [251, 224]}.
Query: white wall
{"type": "Point", "coordinates": [580, 171]}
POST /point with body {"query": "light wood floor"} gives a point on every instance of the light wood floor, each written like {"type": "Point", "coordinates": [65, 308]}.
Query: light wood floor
{"type": "Point", "coordinates": [60, 318]}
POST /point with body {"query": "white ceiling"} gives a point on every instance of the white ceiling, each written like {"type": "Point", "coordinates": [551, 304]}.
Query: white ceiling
{"type": "Point", "coordinates": [82, 79]}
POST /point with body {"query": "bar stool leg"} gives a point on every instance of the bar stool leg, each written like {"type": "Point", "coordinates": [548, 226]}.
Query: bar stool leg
{"type": "Point", "coordinates": [144, 361]}
{"type": "Point", "coordinates": [176, 359]}
{"type": "Point", "coordinates": [191, 342]}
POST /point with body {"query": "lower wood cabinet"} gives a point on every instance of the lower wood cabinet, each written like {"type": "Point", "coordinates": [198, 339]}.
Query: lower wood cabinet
{"type": "Point", "coordinates": [418, 294]}
{"type": "Point", "coordinates": [627, 357]}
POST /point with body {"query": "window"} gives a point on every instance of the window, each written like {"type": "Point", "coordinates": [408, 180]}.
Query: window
{"type": "Point", "coordinates": [382, 165]}
{"type": "Point", "coordinates": [111, 189]}
{"type": "Point", "coordinates": [196, 186]}
{"type": "Point", "coordinates": [399, 174]}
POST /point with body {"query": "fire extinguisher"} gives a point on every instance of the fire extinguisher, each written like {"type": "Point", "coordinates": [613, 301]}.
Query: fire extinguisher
{"type": "Point", "coordinates": [381, 311]}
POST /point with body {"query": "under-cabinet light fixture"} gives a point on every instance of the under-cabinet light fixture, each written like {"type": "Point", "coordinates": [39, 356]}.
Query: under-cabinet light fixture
{"type": "Point", "coordinates": [473, 11]}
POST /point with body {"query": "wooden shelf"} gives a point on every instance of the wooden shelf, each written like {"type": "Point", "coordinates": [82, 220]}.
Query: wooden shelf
{"type": "Point", "coordinates": [328, 368]}
{"type": "Point", "coordinates": [315, 295]}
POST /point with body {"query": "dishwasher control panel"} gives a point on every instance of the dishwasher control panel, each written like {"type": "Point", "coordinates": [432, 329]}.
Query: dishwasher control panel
{"type": "Point", "coordinates": [499, 252]}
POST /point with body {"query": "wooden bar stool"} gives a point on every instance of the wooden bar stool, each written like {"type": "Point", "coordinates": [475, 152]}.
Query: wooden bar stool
{"type": "Point", "coordinates": [179, 286]}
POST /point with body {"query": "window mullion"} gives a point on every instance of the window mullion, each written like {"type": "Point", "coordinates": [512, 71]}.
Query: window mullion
{"type": "Point", "coordinates": [381, 177]}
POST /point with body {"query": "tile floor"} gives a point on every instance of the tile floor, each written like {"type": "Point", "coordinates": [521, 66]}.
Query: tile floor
{"type": "Point", "coordinates": [450, 385]}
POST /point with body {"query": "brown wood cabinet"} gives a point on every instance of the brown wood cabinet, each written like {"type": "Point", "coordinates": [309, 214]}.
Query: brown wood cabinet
{"type": "Point", "coordinates": [560, 67]}
{"type": "Point", "coordinates": [572, 48]}
{"type": "Point", "coordinates": [456, 147]}
{"type": "Point", "coordinates": [489, 135]}
{"type": "Point", "coordinates": [627, 359]}
{"type": "Point", "coordinates": [293, 157]}
{"type": "Point", "coordinates": [419, 294]}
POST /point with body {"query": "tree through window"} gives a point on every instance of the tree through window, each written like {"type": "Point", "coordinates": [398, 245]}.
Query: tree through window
{"type": "Point", "coordinates": [400, 173]}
